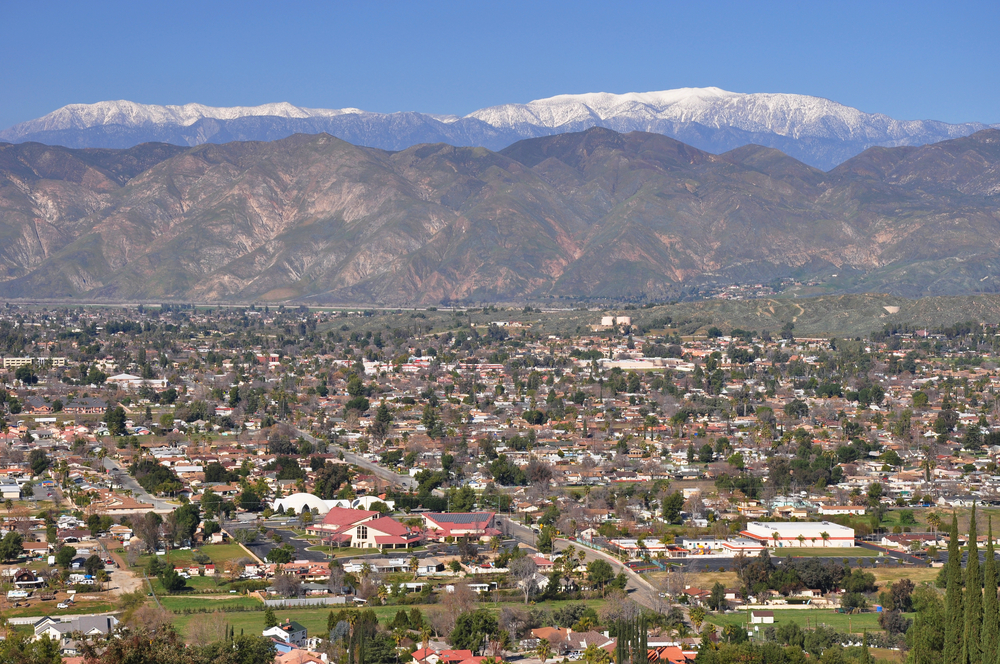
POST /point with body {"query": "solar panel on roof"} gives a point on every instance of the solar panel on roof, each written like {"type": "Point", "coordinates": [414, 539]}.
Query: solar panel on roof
{"type": "Point", "coordinates": [471, 517]}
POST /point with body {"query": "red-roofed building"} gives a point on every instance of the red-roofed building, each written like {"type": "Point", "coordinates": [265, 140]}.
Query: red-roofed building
{"type": "Point", "coordinates": [475, 525]}
{"type": "Point", "coordinates": [364, 529]}
{"type": "Point", "coordinates": [672, 654]}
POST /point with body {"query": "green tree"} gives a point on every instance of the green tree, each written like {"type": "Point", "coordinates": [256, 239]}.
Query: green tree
{"type": "Point", "coordinates": [10, 546]}
{"type": "Point", "coordinates": [473, 630]}
{"type": "Point", "coordinates": [65, 556]}
{"type": "Point", "coordinates": [972, 642]}
{"type": "Point", "coordinates": [545, 537]}
{"type": "Point", "coordinates": [270, 620]}
{"type": "Point", "coordinates": [955, 626]}
{"type": "Point", "coordinates": [114, 417]}
{"type": "Point", "coordinates": [599, 573]}
{"type": "Point", "coordinates": [672, 506]}
{"type": "Point", "coordinates": [171, 580]}
{"type": "Point", "coordinates": [926, 638]}
{"type": "Point", "coordinates": [281, 555]}
{"type": "Point", "coordinates": [991, 609]}
{"type": "Point", "coordinates": [717, 600]}
{"type": "Point", "coordinates": [39, 461]}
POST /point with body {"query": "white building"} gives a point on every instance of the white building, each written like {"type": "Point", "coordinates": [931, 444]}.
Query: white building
{"type": "Point", "coordinates": [289, 632]}
{"type": "Point", "coordinates": [784, 534]}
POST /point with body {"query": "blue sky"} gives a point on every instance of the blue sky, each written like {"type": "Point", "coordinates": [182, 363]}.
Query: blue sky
{"type": "Point", "coordinates": [912, 60]}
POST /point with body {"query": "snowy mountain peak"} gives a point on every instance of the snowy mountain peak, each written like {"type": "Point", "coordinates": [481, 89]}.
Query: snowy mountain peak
{"type": "Point", "coordinates": [818, 131]}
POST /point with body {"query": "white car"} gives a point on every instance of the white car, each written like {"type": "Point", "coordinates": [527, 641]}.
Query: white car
{"type": "Point", "coordinates": [62, 605]}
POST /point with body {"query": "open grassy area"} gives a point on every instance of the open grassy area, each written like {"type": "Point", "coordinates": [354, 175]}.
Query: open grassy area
{"type": "Point", "coordinates": [314, 619]}
{"type": "Point", "coordinates": [221, 603]}
{"type": "Point", "coordinates": [810, 618]}
{"type": "Point", "coordinates": [35, 608]}
{"type": "Point", "coordinates": [217, 552]}
{"type": "Point", "coordinates": [887, 575]}
{"type": "Point", "coordinates": [197, 584]}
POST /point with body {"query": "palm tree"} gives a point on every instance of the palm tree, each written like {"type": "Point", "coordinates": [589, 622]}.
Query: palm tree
{"type": "Point", "coordinates": [398, 635]}
{"type": "Point", "coordinates": [802, 539]}
{"type": "Point", "coordinates": [542, 650]}
{"type": "Point", "coordinates": [776, 538]}
{"type": "Point", "coordinates": [826, 537]}
{"type": "Point", "coordinates": [414, 566]}
{"type": "Point", "coordinates": [934, 521]}
{"type": "Point", "coordinates": [425, 636]}
{"type": "Point", "coordinates": [382, 594]}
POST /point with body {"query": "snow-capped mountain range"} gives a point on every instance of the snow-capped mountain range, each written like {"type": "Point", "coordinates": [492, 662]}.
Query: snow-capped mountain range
{"type": "Point", "coordinates": [816, 131]}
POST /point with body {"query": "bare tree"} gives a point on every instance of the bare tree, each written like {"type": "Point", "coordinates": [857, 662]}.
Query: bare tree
{"type": "Point", "coordinates": [212, 630]}
{"type": "Point", "coordinates": [287, 585]}
{"type": "Point", "coordinates": [514, 621]}
{"type": "Point", "coordinates": [523, 572]}
{"type": "Point", "coordinates": [336, 582]}
{"type": "Point", "coordinates": [618, 606]}
{"type": "Point", "coordinates": [134, 550]}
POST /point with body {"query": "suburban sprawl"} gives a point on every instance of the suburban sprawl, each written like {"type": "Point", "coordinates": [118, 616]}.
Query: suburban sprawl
{"type": "Point", "coordinates": [261, 484]}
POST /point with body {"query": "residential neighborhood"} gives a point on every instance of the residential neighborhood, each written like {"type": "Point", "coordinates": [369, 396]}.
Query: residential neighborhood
{"type": "Point", "coordinates": [438, 475]}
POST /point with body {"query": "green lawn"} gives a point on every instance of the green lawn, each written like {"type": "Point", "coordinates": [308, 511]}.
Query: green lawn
{"type": "Point", "coordinates": [179, 603]}
{"type": "Point", "coordinates": [217, 552]}
{"type": "Point", "coordinates": [197, 584]}
{"type": "Point", "coordinates": [824, 552]}
{"type": "Point", "coordinates": [314, 619]}
{"type": "Point", "coordinates": [810, 618]}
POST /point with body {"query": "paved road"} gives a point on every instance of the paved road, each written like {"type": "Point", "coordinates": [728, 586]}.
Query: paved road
{"type": "Point", "coordinates": [404, 481]}
{"type": "Point", "coordinates": [138, 492]}
{"type": "Point", "coordinates": [640, 590]}
{"type": "Point", "coordinates": [261, 547]}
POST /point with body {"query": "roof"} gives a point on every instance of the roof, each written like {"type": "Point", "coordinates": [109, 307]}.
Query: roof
{"type": "Point", "coordinates": [459, 517]}
{"type": "Point", "coordinates": [343, 516]}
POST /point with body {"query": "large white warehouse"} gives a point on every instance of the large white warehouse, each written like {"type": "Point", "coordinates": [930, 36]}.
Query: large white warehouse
{"type": "Point", "coordinates": [783, 534]}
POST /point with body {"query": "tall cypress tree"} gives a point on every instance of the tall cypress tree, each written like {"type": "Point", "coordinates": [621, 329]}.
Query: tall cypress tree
{"type": "Point", "coordinates": [972, 647]}
{"type": "Point", "coordinates": [991, 608]}
{"type": "Point", "coordinates": [955, 626]}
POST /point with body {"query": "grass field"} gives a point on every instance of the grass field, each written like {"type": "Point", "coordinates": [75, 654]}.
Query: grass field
{"type": "Point", "coordinates": [197, 584]}
{"type": "Point", "coordinates": [314, 619]}
{"type": "Point", "coordinates": [223, 603]}
{"type": "Point", "coordinates": [35, 608]}
{"type": "Point", "coordinates": [918, 575]}
{"type": "Point", "coordinates": [217, 552]}
{"type": "Point", "coordinates": [841, 622]}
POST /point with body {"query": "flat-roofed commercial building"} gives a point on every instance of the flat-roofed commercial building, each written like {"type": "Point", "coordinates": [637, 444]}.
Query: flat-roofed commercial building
{"type": "Point", "coordinates": [784, 534]}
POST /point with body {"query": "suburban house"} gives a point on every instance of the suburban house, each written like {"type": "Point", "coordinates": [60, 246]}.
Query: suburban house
{"type": "Point", "coordinates": [289, 632]}
{"type": "Point", "coordinates": [60, 632]}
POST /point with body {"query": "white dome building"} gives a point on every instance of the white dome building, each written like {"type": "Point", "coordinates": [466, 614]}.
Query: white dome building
{"type": "Point", "coordinates": [297, 501]}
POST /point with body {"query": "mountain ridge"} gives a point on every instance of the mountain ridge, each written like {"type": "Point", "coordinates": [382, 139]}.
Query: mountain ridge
{"type": "Point", "coordinates": [818, 131]}
{"type": "Point", "coordinates": [588, 215]}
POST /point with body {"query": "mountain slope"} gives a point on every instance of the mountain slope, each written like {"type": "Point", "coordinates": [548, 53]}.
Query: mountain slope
{"type": "Point", "coordinates": [816, 131]}
{"type": "Point", "coordinates": [594, 214]}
